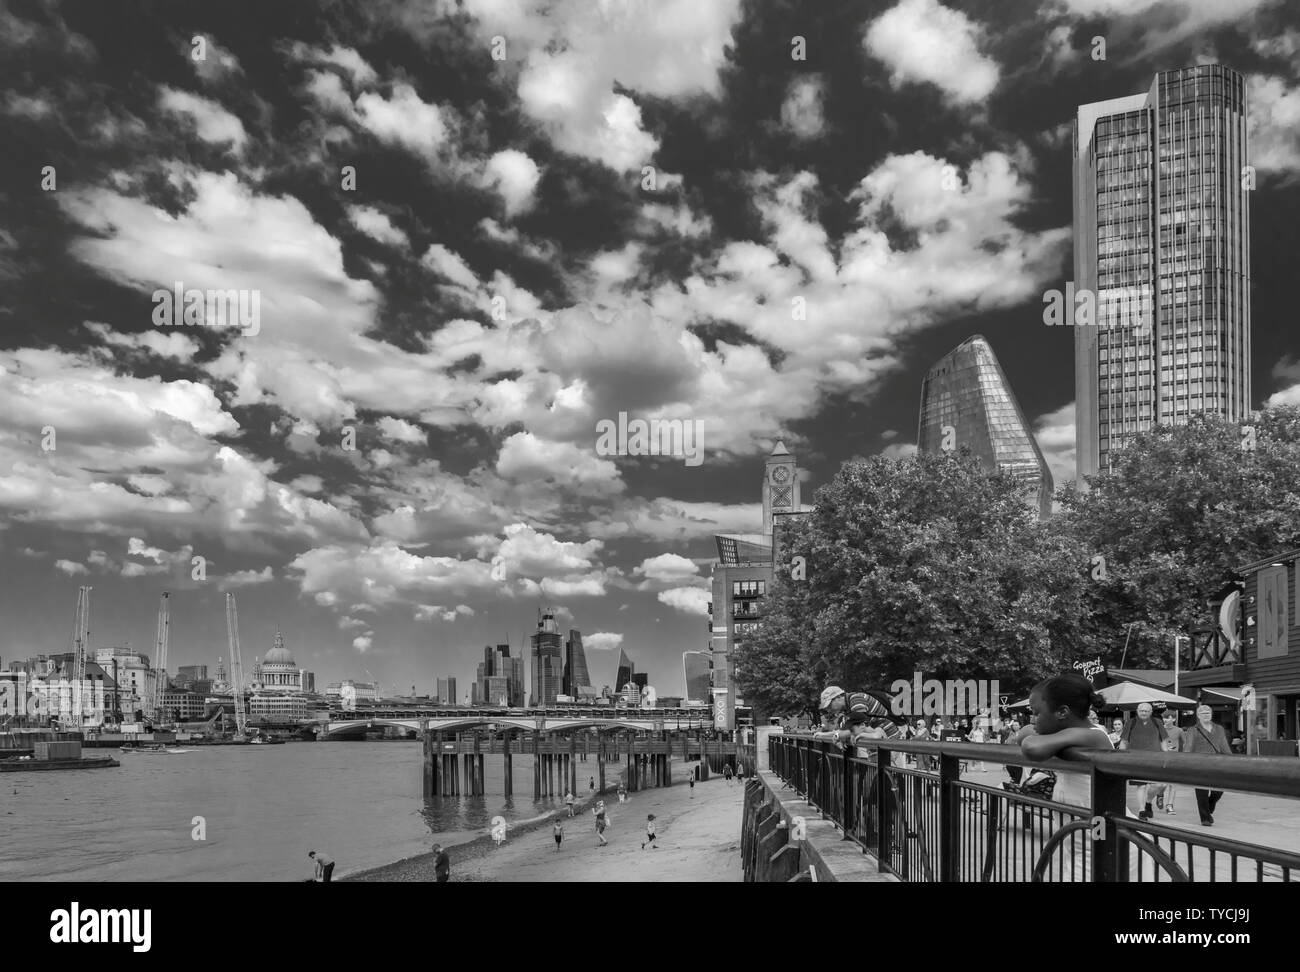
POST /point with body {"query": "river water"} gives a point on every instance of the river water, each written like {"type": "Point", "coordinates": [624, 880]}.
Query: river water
{"type": "Point", "coordinates": [264, 808]}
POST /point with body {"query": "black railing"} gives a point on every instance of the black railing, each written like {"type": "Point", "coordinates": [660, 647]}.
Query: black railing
{"type": "Point", "coordinates": [931, 825]}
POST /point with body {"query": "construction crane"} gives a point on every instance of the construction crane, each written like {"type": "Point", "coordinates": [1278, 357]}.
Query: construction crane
{"type": "Point", "coordinates": [236, 665]}
{"type": "Point", "coordinates": [81, 634]}
{"type": "Point", "coordinates": [160, 656]}
{"type": "Point", "coordinates": [375, 683]}
{"type": "Point", "coordinates": [80, 646]}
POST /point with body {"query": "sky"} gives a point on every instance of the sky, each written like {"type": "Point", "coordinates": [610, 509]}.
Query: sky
{"type": "Point", "coordinates": [472, 232]}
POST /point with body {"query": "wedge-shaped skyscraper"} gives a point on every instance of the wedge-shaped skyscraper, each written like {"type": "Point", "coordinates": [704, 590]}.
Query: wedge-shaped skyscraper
{"type": "Point", "coordinates": [965, 399]}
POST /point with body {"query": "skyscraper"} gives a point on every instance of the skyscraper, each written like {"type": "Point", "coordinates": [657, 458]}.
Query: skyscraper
{"type": "Point", "coordinates": [447, 691]}
{"type": "Point", "coordinates": [548, 661]}
{"type": "Point", "coordinates": [695, 668]}
{"type": "Point", "coordinates": [1161, 219]}
{"type": "Point", "coordinates": [625, 668]}
{"type": "Point", "coordinates": [966, 401]}
{"type": "Point", "coordinates": [576, 676]}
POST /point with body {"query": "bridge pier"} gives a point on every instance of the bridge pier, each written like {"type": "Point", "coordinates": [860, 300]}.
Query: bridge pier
{"type": "Point", "coordinates": [478, 763]}
{"type": "Point", "coordinates": [426, 759]}
{"type": "Point", "coordinates": [600, 766]}
{"type": "Point", "coordinates": [509, 767]}
{"type": "Point", "coordinates": [573, 768]}
{"type": "Point", "coordinates": [537, 766]}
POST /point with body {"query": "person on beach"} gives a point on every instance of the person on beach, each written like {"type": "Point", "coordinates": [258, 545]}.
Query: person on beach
{"type": "Point", "coordinates": [441, 864]}
{"type": "Point", "coordinates": [649, 832]}
{"type": "Point", "coordinates": [324, 866]}
{"type": "Point", "coordinates": [601, 823]}
{"type": "Point", "coordinates": [591, 784]}
{"type": "Point", "coordinates": [558, 830]}
{"type": "Point", "coordinates": [691, 781]}
{"type": "Point", "coordinates": [622, 794]}
{"type": "Point", "coordinates": [568, 798]}
{"type": "Point", "coordinates": [726, 773]}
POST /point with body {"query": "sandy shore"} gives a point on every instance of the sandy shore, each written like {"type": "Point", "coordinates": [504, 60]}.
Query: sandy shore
{"type": "Point", "coordinates": [699, 840]}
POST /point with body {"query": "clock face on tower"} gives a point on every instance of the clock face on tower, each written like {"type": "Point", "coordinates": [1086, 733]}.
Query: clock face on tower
{"type": "Point", "coordinates": [780, 474]}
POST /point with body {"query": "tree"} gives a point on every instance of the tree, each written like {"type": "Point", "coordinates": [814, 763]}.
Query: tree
{"type": "Point", "coordinates": [925, 564]}
{"type": "Point", "coordinates": [1183, 508]}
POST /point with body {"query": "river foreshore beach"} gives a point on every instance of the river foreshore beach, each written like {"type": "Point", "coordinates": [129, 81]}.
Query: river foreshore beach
{"type": "Point", "coordinates": [698, 840]}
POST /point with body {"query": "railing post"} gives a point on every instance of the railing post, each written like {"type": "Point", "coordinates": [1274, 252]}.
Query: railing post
{"type": "Point", "coordinates": [846, 782]}
{"type": "Point", "coordinates": [884, 819]}
{"type": "Point", "coordinates": [949, 818]}
{"type": "Point", "coordinates": [1109, 800]}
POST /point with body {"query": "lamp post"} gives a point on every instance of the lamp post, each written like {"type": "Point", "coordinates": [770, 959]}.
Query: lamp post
{"type": "Point", "coordinates": [1177, 657]}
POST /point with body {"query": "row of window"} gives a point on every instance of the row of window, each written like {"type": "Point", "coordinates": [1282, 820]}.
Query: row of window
{"type": "Point", "coordinates": [748, 588]}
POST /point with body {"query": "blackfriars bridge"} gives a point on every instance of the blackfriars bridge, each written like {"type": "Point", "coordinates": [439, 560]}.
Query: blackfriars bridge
{"type": "Point", "coordinates": [456, 742]}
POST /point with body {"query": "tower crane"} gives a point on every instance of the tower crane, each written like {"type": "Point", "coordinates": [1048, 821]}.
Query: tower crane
{"type": "Point", "coordinates": [375, 683]}
{"type": "Point", "coordinates": [236, 665]}
{"type": "Point", "coordinates": [160, 656]}
{"type": "Point", "coordinates": [80, 646]}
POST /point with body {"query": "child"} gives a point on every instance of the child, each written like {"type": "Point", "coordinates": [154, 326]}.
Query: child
{"type": "Point", "coordinates": [1060, 706]}
{"type": "Point", "coordinates": [559, 833]}
{"type": "Point", "coordinates": [568, 798]}
{"type": "Point", "coordinates": [649, 832]}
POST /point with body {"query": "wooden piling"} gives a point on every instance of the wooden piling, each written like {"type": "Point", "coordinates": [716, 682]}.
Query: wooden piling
{"type": "Point", "coordinates": [509, 766]}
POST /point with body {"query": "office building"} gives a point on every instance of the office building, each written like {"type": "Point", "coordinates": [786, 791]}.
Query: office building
{"type": "Point", "coordinates": [192, 673]}
{"type": "Point", "coordinates": [447, 691]}
{"type": "Point", "coordinates": [576, 677]}
{"type": "Point", "coordinates": [625, 668]}
{"type": "Point", "coordinates": [548, 660]}
{"type": "Point", "coordinates": [966, 401]}
{"type": "Point", "coordinates": [696, 669]}
{"type": "Point", "coordinates": [1161, 223]}
{"type": "Point", "coordinates": [741, 578]}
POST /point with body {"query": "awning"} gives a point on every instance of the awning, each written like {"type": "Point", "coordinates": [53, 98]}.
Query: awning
{"type": "Point", "coordinates": [1129, 695]}
{"type": "Point", "coordinates": [1229, 693]}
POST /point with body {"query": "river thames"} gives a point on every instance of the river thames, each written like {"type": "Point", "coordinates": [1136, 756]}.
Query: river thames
{"type": "Point", "coordinates": [264, 808]}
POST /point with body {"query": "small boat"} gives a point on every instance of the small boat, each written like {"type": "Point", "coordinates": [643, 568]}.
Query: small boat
{"type": "Point", "coordinates": [155, 749]}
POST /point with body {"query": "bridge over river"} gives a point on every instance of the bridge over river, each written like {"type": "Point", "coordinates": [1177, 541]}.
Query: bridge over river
{"type": "Point", "coordinates": [456, 742]}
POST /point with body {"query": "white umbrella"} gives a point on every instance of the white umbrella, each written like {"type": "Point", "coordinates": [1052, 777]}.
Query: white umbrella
{"type": "Point", "coordinates": [1022, 704]}
{"type": "Point", "coordinates": [1129, 695]}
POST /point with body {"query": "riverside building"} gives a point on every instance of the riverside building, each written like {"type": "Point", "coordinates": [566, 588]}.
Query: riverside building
{"type": "Point", "coordinates": [1161, 210]}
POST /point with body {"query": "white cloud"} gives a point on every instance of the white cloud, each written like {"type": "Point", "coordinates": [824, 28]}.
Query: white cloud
{"type": "Point", "coordinates": [688, 600]}
{"type": "Point", "coordinates": [402, 431]}
{"type": "Point", "coordinates": [243, 578]}
{"type": "Point", "coordinates": [403, 119]}
{"type": "Point", "coordinates": [1274, 122]}
{"type": "Point", "coordinates": [524, 456]}
{"type": "Point", "coordinates": [899, 450]}
{"type": "Point", "coordinates": [601, 641]}
{"type": "Point", "coordinates": [377, 226]}
{"type": "Point", "coordinates": [434, 612]}
{"type": "Point", "coordinates": [924, 41]}
{"type": "Point", "coordinates": [668, 568]}
{"type": "Point", "coordinates": [515, 176]}
{"type": "Point", "coordinates": [1055, 434]}
{"type": "Point", "coordinates": [363, 643]}
{"type": "Point", "coordinates": [801, 112]}
{"type": "Point", "coordinates": [445, 263]}
{"type": "Point", "coordinates": [217, 63]}
{"type": "Point", "coordinates": [71, 568]}
{"type": "Point", "coordinates": [212, 122]}
{"type": "Point", "coordinates": [352, 63]}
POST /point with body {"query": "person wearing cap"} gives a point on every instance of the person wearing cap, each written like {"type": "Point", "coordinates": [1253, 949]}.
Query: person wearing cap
{"type": "Point", "coordinates": [847, 716]}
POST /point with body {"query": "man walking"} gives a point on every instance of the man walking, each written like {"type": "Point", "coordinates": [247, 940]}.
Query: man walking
{"type": "Point", "coordinates": [324, 866]}
{"type": "Point", "coordinates": [1207, 736]}
{"type": "Point", "coordinates": [599, 811]}
{"type": "Point", "coordinates": [1144, 734]}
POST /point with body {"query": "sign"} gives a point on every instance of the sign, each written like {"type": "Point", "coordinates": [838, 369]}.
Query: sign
{"type": "Point", "coordinates": [1248, 700]}
{"type": "Point", "coordinates": [1094, 671]}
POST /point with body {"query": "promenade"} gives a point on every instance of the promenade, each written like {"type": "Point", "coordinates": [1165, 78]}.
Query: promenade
{"type": "Point", "coordinates": [699, 841]}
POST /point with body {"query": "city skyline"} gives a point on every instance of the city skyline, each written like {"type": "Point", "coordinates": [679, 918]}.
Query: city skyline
{"type": "Point", "coordinates": [402, 478]}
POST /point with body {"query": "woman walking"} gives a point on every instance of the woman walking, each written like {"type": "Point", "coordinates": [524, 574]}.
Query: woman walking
{"type": "Point", "coordinates": [1207, 736]}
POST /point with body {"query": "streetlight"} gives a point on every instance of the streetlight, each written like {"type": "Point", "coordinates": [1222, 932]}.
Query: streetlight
{"type": "Point", "coordinates": [1177, 657]}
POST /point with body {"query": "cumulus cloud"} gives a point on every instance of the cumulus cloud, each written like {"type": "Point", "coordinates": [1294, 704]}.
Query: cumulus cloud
{"type": "Point", "coordinates": [668, 568]}
{"type": "Point", "coordinates": [377, 226]}
{"type": "Point", "coordinates": [402, 431]}
{"type": "Point", "coordinates": [514, 176]}
{"type": "Point", "coordinates": [244, 578]}
{"type": "Point", "coordinates": [211, 121]}
{"type": "Point", "coordinates": [363, 643]}
{"type": "Point", "coordinates": [688, 600]}
{"type": "Point", "coordinates": [70, 567]}
{"type": "Point", "coordinates": [403, 119]}
{"type": "Point", "coordinates": [601, 641]}
{"type": "Point", "coordinates": [924, 41]}
{"type": "Point", "coordinates": [1274, 126]}
{"type": "Point", "coordinates": [434, 612]}
{"type": "Point", "coordinates": [801, 112]}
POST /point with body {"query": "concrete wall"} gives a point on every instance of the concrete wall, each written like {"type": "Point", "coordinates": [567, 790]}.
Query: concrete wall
{"type": "Point", "coordinates": [770, 851]}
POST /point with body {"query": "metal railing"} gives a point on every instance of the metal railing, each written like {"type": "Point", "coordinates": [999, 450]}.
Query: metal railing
{"type": "Point", "coordinates": [923, 825]}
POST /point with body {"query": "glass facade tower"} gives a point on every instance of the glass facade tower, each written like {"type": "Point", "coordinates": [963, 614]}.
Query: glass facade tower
{"type": "Point", "coordinates": [967, 391]}
{"type": "Point", "coordinates": [695, 668]}
{"type": "Point", "coordinates": [548, 661]}
{"type": "Point", "coordinates": [1161, 222]}
{"type": "Point", "coordinates": [576, 676]}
